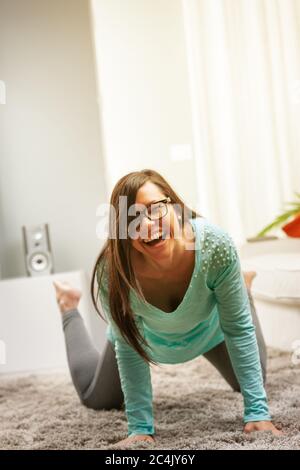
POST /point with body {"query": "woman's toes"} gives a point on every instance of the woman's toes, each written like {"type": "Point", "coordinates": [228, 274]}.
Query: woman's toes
{"type": "Point", "coordinates": [56, 285]}
{"type": "Point", "coordinates": [67, 296]}
{"type": "Point", "coordinates": [66, 288]}
{"type": "Point", "coordinates": [60, 286]}
{"type": "Point", "coordinates": [249, 276]}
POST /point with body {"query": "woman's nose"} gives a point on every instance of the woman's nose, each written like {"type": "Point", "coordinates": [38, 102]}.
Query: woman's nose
{"type": "Point", "coordinates": [147, 227]}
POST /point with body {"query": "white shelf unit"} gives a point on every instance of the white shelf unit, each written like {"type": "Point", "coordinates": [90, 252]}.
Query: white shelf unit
{"type": "Point", "coordinates": [31, 326]}
{"type": "Point", "coordinates": [276, 288]}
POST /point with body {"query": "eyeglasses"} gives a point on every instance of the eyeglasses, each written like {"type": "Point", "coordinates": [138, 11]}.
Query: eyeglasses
{"type": "Point", "coordinates": [156, 210]}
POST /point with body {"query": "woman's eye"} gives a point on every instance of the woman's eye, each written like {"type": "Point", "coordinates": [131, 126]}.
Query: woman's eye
{"type": "Point", "coordinates": [157, 209]}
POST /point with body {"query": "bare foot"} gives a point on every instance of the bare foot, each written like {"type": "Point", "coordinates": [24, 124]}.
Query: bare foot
{"type": "Point", "coordinates": [249, 276]}
{"type": "Point", "coordinates": [67, 296]}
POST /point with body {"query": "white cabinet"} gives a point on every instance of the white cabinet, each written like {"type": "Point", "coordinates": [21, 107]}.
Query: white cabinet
{"type": "Point", "coordinates": [31, 334]}
{"type": "Point", "coordinates": [276, 288]}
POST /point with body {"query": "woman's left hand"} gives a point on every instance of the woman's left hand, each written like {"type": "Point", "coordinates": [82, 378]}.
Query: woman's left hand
{"type": "Point", "coordinates": [262, 426]}
{"type": "Point", "coordinates": [137, 437]}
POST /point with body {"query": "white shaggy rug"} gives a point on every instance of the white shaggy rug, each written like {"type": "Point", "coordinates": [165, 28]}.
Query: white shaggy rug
{"type": "Point", "coordinates": [194, 409]}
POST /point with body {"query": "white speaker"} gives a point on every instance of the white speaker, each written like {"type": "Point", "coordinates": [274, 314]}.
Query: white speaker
{"type": "Point", "coordinates": [38, 256]}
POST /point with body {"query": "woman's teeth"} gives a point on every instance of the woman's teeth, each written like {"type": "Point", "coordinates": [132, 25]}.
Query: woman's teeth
{"type": "Point", "coordinates": [155, 237]}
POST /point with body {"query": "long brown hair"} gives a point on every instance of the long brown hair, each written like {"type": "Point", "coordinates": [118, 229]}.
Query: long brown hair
{"type": "Point", "coordinates": [114, 260]}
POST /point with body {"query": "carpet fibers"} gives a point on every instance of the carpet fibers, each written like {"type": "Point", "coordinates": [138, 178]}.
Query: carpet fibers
{"type": "Point", "coordinates": [194, 408]}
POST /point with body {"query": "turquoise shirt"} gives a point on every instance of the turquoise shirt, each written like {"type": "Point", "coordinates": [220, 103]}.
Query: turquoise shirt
{"type": "Point", "coordinates": [215, 308]}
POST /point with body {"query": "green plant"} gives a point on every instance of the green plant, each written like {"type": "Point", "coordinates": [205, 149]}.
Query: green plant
{"type": "Point", "coordinates": [280, 219]}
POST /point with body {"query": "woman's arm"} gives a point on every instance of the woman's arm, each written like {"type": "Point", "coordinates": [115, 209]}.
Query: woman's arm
{"type": "Point", "coordinates": [137, 388]}
{"type": "Point", "coordinates": [135, 378]}
{"type": "Point", "coordinates": [226, 280]}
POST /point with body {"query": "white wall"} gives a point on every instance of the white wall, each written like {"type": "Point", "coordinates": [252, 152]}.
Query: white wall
{"type": "Point", "coordinates": [50, 145]}
{"type": "Point", "coordinates": [143, 81]}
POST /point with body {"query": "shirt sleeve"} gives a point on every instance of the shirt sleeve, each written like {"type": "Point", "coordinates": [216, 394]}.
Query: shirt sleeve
{"type": "Point", "coordinates": [225, 278]}
{"type": "Point", "coordinates": [135, 376]}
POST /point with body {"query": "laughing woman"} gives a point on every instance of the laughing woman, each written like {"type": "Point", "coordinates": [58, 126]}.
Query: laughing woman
{"type": "Point", "coordinates": [172, 289]}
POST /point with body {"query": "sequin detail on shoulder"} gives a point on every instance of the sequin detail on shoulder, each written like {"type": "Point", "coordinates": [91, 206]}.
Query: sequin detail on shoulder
{"type": "Point", "coordinates": [217, 248]}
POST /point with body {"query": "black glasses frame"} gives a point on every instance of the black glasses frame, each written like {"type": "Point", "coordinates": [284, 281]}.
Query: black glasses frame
{"type": "Point", "coordinates": [143, 214]}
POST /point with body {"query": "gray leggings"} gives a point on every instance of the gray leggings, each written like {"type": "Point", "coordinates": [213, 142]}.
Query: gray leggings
{"type": "Point", "coordinates": [96, 376]}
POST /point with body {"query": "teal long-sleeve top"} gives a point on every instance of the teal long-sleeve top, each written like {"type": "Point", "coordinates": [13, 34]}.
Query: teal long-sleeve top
{"type": "Point", "coordinates": [215, 308]}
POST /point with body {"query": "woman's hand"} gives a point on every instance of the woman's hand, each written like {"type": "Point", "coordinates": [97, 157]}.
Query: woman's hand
{"type": "Point", "coordinates": [262, 426]}
{"type": "Point", "coordinates": [137, 437]}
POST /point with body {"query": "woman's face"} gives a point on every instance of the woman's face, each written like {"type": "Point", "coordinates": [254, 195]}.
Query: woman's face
{"type": "Point", "coordinates": [164, 227]}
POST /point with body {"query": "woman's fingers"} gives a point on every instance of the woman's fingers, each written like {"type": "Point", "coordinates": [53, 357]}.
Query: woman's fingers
{"type": "Point", "coordinates": [130, 440]}
{"type": "Point", "coordinates": [262, 426]}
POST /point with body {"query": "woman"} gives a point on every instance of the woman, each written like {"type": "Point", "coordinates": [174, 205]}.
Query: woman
{"type": "Point", "coordinates": [172, 289]}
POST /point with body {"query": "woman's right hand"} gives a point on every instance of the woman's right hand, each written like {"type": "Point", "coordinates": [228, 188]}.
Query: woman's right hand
{"type": "Point", "coordinates": [67, 297]}
{"type": "Point", "coordinates": [136, 437]}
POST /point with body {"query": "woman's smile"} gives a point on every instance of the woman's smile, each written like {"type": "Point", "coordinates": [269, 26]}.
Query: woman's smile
{"type": "Point", "coordinates": [155, 243]}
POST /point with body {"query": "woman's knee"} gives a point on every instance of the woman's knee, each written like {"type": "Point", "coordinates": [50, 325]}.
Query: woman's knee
{"type": "Point", "coordinates": [98, 405]}
{"type": "Point", "coordinates": [264, 373]}
{"type": "Point", "coordinates": [105, 391]}
{"type": "Point", "coordinates": [236, 388]}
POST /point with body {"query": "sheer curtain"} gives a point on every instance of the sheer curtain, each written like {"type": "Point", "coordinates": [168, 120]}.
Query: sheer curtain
{"type": "Point", "coordinates": [244, 72]}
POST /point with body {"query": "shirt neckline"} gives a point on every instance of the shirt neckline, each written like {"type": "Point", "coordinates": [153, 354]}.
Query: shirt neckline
{"type": "Point", "coordinates": [195, 273]}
